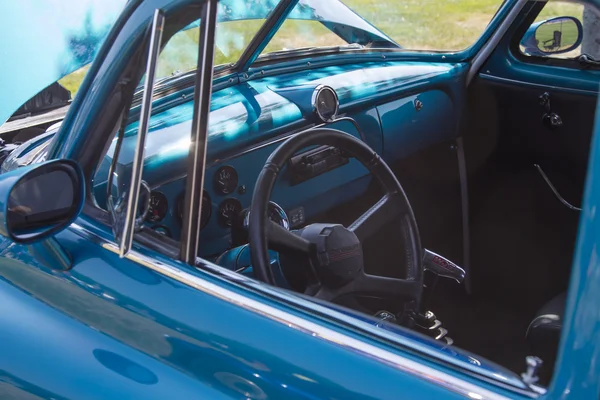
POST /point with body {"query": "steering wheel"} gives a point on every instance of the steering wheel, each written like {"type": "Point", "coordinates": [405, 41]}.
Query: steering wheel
{"type": "Point", "coordinates": [331, 254]}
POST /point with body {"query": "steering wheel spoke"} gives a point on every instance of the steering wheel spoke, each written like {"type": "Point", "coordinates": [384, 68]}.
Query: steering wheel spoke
{"type": "Point", "coordinates": [280, 239]}
{"type": "Point", "coordinates": [327, 258]}
{"type": "Point", "coordinates": [381, 213]}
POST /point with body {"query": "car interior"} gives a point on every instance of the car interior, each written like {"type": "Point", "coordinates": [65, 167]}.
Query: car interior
{"type": "Point", "coordinates": [476, 217]}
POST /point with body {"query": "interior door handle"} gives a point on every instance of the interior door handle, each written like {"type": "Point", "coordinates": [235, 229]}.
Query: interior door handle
{"type": "Point", "coordinates": [550, 118]}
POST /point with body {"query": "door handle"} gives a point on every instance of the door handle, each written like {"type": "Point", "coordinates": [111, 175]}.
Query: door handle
{"type": "Point", "coordinates": [550, 118]}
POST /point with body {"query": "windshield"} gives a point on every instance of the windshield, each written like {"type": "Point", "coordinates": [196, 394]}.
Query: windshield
{"type": "Point", "coordinates": [311, 23]}
{"type": "Point", "coordinates": [317, 24]}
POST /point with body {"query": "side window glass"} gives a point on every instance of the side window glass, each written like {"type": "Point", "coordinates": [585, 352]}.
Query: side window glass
{"type": "Point", "coordinates": [166, 147]}
{"type": "Point", "coordinates": [433, 25]}
{"type": "Point", "coordinates": [563, 30]}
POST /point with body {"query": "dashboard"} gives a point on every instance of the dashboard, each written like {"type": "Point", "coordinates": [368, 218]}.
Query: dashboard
{"type": "Point", "coordinates": [397, 108]}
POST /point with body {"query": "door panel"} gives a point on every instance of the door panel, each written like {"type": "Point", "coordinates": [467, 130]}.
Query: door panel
{"type": "Point", "coordinates": [131, 332]}
{"type": "Point", "coordinates": [524, 137]}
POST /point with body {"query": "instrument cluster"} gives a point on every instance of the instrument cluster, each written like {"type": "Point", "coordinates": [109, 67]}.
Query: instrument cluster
{"type": "Point", "coordinates": [164, 217]}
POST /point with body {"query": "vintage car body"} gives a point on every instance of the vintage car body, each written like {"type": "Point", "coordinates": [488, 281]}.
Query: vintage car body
{"type": "Point", "coordinates": [81, 322]}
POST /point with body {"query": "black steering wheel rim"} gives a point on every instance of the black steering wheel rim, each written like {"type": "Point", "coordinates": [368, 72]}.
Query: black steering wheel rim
{"type": "Point", "coordinates": [259, 222]}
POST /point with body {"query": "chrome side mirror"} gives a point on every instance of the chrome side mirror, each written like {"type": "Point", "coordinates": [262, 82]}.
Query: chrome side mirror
{"type": "Point", "coordinates": [553, 36]}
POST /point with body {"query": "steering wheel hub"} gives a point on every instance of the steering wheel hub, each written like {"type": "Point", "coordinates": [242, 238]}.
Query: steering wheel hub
{"type": "Point", "coordinates": [339, 255]}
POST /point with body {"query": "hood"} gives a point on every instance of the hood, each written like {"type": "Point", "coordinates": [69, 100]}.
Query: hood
{"type": "Point", "coordinates": [44, 40]}
{"type": "Point", "coordinates": [52, 38]}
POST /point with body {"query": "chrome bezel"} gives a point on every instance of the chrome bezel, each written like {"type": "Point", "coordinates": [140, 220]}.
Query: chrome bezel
{"type": "Point", "coordinates": [315, 102]}
{"type": "Point", "coordinates": [285, 221]}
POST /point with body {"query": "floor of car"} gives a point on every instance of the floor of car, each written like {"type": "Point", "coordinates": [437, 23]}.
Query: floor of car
{"type": "Point", "coordinates": [522, 241]}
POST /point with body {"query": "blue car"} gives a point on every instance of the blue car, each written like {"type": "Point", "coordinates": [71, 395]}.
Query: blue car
{"type": "Point", "coordinates": [299, 199]}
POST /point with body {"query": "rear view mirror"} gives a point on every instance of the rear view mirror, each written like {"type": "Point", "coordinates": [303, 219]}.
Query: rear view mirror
{"type": "Point", "coordinates": [40, 200]}
{"type": "Point", "coordinates": [554, 36]}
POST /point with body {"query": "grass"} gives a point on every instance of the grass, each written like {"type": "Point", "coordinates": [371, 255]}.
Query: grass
{"type": "Point", "coordinates": [444, 25]}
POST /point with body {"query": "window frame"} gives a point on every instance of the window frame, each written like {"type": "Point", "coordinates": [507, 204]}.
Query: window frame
{"type": "Point", "coordinates": [515, 41]}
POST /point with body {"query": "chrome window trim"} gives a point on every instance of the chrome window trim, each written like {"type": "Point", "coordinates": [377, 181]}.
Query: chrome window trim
{"type": "Point", "coordinates": [158, 22]}
{"type": "Point", "coordinates": [424, 372]}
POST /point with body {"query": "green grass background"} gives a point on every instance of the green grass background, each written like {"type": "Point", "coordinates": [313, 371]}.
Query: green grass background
{"type": "Point", "coordinates": [446, 25]}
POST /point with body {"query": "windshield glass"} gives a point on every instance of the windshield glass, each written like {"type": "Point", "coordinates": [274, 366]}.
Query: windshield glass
{"type": "Point", "coordinates": [312, 23]}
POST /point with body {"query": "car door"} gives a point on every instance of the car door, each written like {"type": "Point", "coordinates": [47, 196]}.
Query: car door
{"type": "Point", "coordinates": [136, 322]}
{"type": "Point", "coordinates": [540, 101]}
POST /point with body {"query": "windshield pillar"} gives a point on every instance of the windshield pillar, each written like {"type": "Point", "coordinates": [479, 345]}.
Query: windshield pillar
{"type": "Point", "coordinates": [265, 34]}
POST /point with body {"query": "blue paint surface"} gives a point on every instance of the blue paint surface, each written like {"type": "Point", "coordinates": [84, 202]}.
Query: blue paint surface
{"type": "Point", "coordinates": [114, 328]}
{"type": "Point", "coordinates": [255, 112]}
{"type": "Point", "coordinates": [152, 337]}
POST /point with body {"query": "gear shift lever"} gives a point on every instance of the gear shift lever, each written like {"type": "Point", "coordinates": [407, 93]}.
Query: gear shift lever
{"type": "Point", "coordinates": [438, 266]}
{"type": "Point", "coordinates": [443, 267]}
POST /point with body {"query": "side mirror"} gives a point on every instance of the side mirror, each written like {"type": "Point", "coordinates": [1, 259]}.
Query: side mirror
{"type": "Point", "coordinates": [40, 200]}
{"type": "Point", "coordinates": [553, 36]}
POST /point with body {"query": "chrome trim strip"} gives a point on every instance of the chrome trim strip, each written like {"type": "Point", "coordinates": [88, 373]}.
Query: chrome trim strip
{"type": "Point", "coordinates": [190, 232]}
{"type": "Point", "coordinates": [554, 190]}
{"type": "Point", "coordinates": [137, 168]}
{"type": "Point", "coordinates": [424, 372]}
{"type": "Point", "coordinates": [537, 85]}
{"type": "Point", "coordinates": [487, 49]}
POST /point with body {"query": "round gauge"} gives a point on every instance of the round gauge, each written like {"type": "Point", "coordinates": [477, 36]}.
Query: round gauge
{"type": "Point", "coordinates": [275, 214]}
{"type": "Point", "coordinates": [228, 211]}
{"type": "Point", "coordinates": [226, 180]}
{"type": "Point", "coordinates": [206, 208]}
{"type": "Point", "coordinates": [158, 207]}
{"type": "Point", "coordinates": [325, 103]}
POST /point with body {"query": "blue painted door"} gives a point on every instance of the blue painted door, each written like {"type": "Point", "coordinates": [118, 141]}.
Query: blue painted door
{"type": "Point", "coordinates": [117, 328]}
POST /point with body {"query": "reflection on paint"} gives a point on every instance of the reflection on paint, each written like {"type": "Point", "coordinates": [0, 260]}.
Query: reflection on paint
{"type": "Point", "coordinates": [72, 33]}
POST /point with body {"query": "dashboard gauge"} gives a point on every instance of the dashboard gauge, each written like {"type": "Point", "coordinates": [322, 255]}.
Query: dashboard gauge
{"type": "Point", "coordinates": [226, 180]}
{"type": "Point", "coordinates": [228, 210]}
{"type": "Point", "coordinates": [206, 208]}
{"type": "Point", "coordinates": [158, 207]}
{"type": "Point", "coordinates": [275, 214]}
{"type": "Point", "coordinates": [325, 103]}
